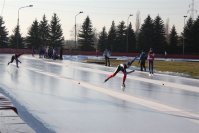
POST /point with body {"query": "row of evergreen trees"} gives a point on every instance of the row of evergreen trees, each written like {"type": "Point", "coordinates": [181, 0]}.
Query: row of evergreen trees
{"type": "Point", "coordinates": [40, 35]}
{"type": "Point", "coordinates": [120, 38]}
{"type": "Point", "coordinates": [151, 35]}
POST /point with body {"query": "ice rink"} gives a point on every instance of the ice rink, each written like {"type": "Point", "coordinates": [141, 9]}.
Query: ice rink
{"type": "Point", "coordinates": [70, 97]}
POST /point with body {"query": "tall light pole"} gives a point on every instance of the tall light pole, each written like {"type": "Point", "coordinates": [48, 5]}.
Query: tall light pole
{"type": "Point", "coordinates": [183, 36]}
{"type": "Point", "coordinates": [18, 22]}
{"type": "Point", "coordinates": [127, 35]}
{"type": "Point", "coordinates": [76, 29]}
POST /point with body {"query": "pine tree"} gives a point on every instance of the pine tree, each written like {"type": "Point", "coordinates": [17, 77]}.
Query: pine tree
{"type": "Point", "coordinates": [103, 40]}
{"type": "Point", "coordinates": [16, 40]}
{"type": "Point", "coordinates": [159, 35]}
{"type": "Point", "coordinates": [131, 39]}
{"type": "Point", "coordinates": [55, 34]}
{"type": "Point", "coordinates": [3, 34]}
{"type": "Point", "coordinates": [145, 37]}
{"type": "Point", "coordinates": [44, 32]}
{"type": "Point", "coordinates": [121, 38]}
{"type": "Point", "coordinates": [112, 36]}
{"type": "Point", "coordinates": [85, 36]}
{"type": "Point", "coordinates": [173, 41]}
{"type": "Point", "coordinates": [194, 47]}
{"type": "Point", "coordinates": [187, 35]}
{"type": "Point", "coordinates": [33, 37]}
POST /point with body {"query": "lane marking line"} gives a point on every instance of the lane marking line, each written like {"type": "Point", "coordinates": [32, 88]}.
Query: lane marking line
{"type": "Point", "coordinates": [194, 117]}
{"type": "Point", "coordinates": [156, 82]}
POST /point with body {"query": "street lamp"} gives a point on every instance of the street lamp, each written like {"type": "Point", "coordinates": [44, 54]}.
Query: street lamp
{"type": "Point", "coordinates": [127, 35]}
{"type": "Point", "coordinates": [183, 36]}
{"type": "Point", "coordinates": [76, 29]}
{"type": "Point", "coordinates": [18, 22]}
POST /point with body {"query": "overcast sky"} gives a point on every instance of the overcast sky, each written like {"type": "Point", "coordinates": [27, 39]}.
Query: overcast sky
{"type": "Point", "coordinates": [101, 12]}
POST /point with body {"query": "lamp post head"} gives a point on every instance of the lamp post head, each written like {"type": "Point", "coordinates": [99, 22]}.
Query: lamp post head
{"type": "Point", "coordinates": [30, 6]}
{"type": "Point", "coordinates": [131, 15]}
{"type": "Point", "coordinates": [185, 16]}
{"type": "Point", "coordinates": [81, 12]}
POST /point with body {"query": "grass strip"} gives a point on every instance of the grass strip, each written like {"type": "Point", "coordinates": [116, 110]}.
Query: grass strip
{"type": "Point", "coordinates": [188, 68]}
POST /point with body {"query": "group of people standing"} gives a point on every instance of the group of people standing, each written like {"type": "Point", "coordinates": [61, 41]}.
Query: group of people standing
{"type": "Point", "coordinates": [144, 57]}
{"type": "Point", "coordinates": [43, 53]}
{"type": "Point", "coordinates": [51, 53]}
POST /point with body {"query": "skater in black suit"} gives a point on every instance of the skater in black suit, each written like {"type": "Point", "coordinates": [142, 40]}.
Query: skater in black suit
{"type": "Point", "coordinates": [15, 57]}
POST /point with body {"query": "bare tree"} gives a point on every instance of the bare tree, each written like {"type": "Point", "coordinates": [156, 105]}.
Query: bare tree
{"type": "Point", "coordinates": [95, 38]}
{"type": "Point", "coordinates": [72, 31]}
{"type": "Point", "coordinates": [137, 23]}
{"type": "Point", "coordinates": [137, 26]}
{"type": "Point", "coordinates": [167, 29]}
